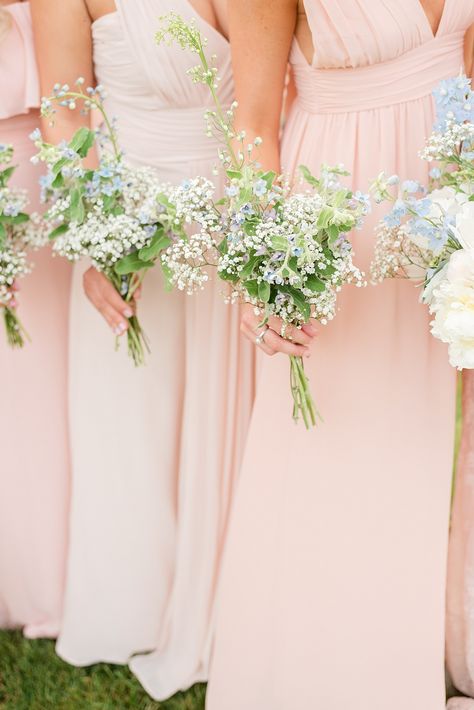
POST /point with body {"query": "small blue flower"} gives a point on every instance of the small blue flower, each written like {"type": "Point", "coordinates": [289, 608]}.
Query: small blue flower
{"type": "Point", "coordinates": [260, 188]}
{"type": "Point", "coordinates": [107, 189]}
{"type": "Point", "coordinates": [435, 173]}
{"type": "Point", "coordinates": [35, 135]}
{"type": "Point", "coordinates": [410, 186]}
{"type": "Point", "coordinates": [106, 171]}
{"type": "Point", "coordinates": [186, 184]}
{"type": "Point", "coordinates": [247, 209]}
{"type": "Point", "coordinates": [232, 191]}
{"type": "Point", "coordinates": [11, 210]}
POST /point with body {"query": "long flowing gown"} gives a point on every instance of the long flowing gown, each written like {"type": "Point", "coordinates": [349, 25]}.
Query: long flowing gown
{"type": "Point", "coordinates": [155, 450]}
{"type": "Point", "coordinates": [460, 596]}
{"type": "Point", "coordinates": [34, 468]}
{"type": "Point", "coordinates": [333, 583]}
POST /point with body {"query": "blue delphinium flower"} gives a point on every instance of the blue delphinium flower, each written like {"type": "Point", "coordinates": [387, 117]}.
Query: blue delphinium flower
{"type": "Point", "coordinates": [394, 218]}
{"type": "Point", "coordinates": [411, 186]}
{"type": "Point", "coordinates": [454, 101]}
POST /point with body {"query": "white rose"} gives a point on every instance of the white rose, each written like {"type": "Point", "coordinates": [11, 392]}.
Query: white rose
{"type": "Point", "coordinates": [446, 201]}
{"type": "Point", "coordinates": [461, 267]}
{"type": "Point", "coordinates": [453, 306]}
{"type": "Point", "coordinates": [461, 355]}
{"type": "Point", "coordinates": [465, 225]}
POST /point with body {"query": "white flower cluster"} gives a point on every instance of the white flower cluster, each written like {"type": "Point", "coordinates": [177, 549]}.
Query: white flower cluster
{"type": "Point", "coordinates": [13, 266]}
{"type": "Point", "coordinates": [446, 144]}
{"type": "Point", "coordinates": [398, 255]}
{"type": "Point", "coordinates": [186, 261]}
{"type": "Point", "coordinates": [292, 253]}
{"type": "Point", "coordinates": [193, 201]}
{"type": "Point", "coordinates": [104, 239]}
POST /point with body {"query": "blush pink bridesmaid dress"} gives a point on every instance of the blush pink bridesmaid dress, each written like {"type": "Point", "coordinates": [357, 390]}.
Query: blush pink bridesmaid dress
{"type": "Point", "coordinates": [155, 450]}
{"type": "Point", "coordinates": [460, 597]}
{"type": "Point", "coordinates": [333, 581]}
{"type": "Point", "coordinates": [34, 464]}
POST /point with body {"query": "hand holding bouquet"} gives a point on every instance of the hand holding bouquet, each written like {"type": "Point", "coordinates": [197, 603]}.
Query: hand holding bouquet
{"type": "Point", "coordinates": [429, 235]}
{"type": "Point", "coordinates": [286, 254]}
{"type": "Point", "coordinates": [18, 232]}
{"type": "Point", "coordinates": [119, 216]}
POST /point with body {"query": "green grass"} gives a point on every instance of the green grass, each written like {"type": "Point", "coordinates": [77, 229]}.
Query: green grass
{"type": "Point", "coordinates": [32, 677]}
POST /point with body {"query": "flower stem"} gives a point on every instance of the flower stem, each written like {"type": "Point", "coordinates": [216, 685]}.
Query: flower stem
{"type": "Point", "coordinates": [303, 403]}
{"type": "Point", "coordinates": [16, 333]}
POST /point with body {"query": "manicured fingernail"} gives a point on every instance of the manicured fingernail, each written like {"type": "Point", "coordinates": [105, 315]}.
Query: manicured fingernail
{"type": "Point", "coordinates": [128, 313]}
{"type": "Point", "coordinates": [120, 328]}
{"type": "Point", "coordinates": [311, 330]}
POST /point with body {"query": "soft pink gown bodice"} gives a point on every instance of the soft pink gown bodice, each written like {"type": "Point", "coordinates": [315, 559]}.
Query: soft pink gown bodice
{"type": "Point", "coordinates": [149, 89]}
{"type": "Point", "coordinates": [18, 72]}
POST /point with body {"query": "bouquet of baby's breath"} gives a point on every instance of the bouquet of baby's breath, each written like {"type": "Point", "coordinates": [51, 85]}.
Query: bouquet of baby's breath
{"type": "Point", "coordinates": [429, 234]}
{"type": "Point", "coordinates": [19, 231]}
{"type": "Point", "coordinates": [121, 217]}
{"type": "Point", "coordinates": [286, 254]}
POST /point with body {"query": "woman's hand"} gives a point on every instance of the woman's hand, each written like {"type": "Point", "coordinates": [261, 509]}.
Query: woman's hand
{"type": "Point", "coordinates": [108, 302]}
{"type": "Point", "coordinates": [269, 338]}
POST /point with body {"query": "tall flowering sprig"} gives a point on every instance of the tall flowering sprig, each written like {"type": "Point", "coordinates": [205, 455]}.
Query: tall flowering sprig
{"type": "Point", "coordinates": [19, 232]}
{"type": "Point", "coordinates": [429, 234]}
{"type": "Point", "coordinates": [121, 217]}
{"type": "Point", "coordinates": [286, 254]}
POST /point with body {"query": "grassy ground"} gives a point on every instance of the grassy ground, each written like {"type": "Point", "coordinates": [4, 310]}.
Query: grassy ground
{"type": "Point", "coordinates": [32, 677]}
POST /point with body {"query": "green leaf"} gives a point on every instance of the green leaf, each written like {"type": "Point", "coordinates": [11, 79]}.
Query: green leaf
{"type": "Point", "coordinates": [221, 202]}
{"type": "Point", "coordinates": [325, 217]}
{"type": "Point", "coordinates": [249, 228]}
{"type": "Point", "coordinates": [130, 264]}
{"type": "Point", "coordinates": [333, 232]}
{"type": "Point", "coordinates": [20, 218]}
{"type": "Point", "coordinates": [58, 181]}
{"type": "Point", "coordinates": [76, 210]}
{"type": "Point", "coordinates": [228, 276]}
{"type": "Point", "coordinates": [308, 176]}
{"type": "Point", "coordinates": [264, 291]}
{"type": "Point", "coordinates": [167, 275]}
{"type": "Point", "coordinates": [82, 141]}
{"type": "Point", "coordinates": [58, 231]}
{"type": "Point", "coordinates": [251, 286]}
{"type": "Point", "coordinates": [269, 178]}
{"type": "Point", "coordinates": [315, 284]}
{"type": "Point", "coordinates": [249, 267]}
{"type": "Point", "coordinates": [234, 174]}
{"type": "Point", "coordinates": [223, 247]}
{"type": "Point", "coordinates": [159, 242]}
{"type": "Point", "coordinates": [6, 174]}
{"type": "Point", "coordinates": [59, 165]}
{"type": "Point", "coordinates": [3, 234]}
{"type": "Point", "coordinates": [299, 301]}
